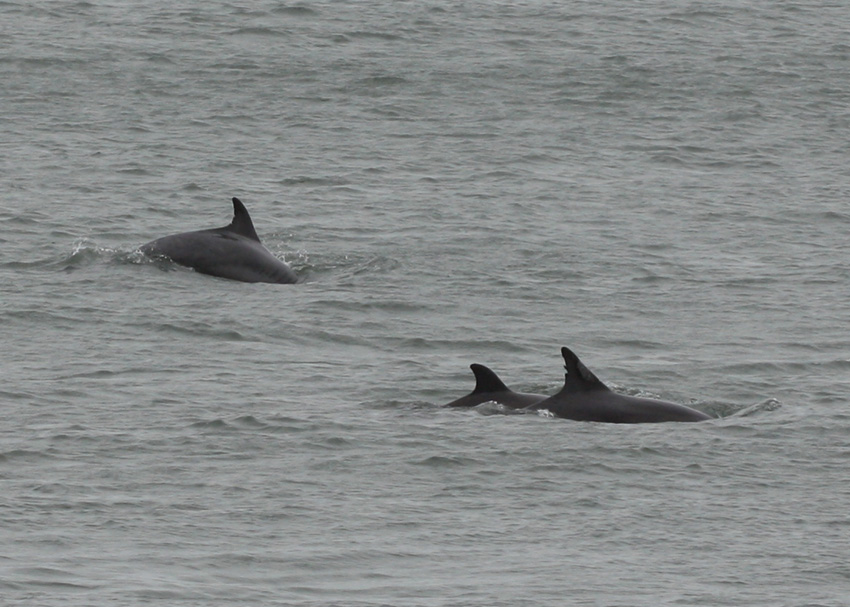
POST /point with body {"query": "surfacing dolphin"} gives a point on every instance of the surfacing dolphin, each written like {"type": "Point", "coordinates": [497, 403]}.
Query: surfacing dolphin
{"type": "Point", "coordinates": [234, 251]}
{"type": "Point", "coordinates": [488, 387]}
{"type": "Point", "coordinates": [585, 398]}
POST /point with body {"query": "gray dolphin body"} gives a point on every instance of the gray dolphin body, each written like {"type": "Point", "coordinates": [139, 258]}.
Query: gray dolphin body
{"type": "Point", "coordinates": [488, 387]}
{"type": "Point", "coordinates": [585, 398]}
{"type": "Point", "coordinates": [234, 251]}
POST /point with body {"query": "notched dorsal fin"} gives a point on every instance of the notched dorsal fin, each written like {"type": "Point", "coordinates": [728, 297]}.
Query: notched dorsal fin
{"type": "Point", "coordinates": [579, 376]}
{"type": "Point", "coordinates": [486, 380]}
{"type": "Point", "coordinates": [242, 223]}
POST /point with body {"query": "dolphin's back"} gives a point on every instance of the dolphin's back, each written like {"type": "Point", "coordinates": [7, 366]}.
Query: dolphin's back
{"type": "Point", "coordinates": [234, 252]}
{"type": "Point", "coordinates": [585, 398]}
{"type": "Point", "coordinates": [488, 387]}
{"type": "Point", "coordinates": [222, 254]}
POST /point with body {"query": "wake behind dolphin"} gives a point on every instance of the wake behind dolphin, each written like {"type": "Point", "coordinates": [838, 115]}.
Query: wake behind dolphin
{"type": "Point", "coordinates": [234, 251]}
{"type": "Point", "coordinates": [585, 398]}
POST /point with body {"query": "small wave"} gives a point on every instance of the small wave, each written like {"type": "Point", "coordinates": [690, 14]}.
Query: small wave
{"type": "Point", "coordinates": [494, 408]}
{"type": "Point", "coordinates": [29, 265]}
{"type": "Point", "coordinates": [443, 461]}
{"type": "Point", "coordinates": [249, 421]}
{"type": "Point", "coordinates": [347, 267]}
{"type": "Point", "coordinates": [297, 10]}
{"type": "Point", "coordinates": [544, 413]}
{"type": "Point", "coordinates": [384, 80]}
{"type": "Point", "coordinates": [17, 455]}
{"type": "Point", "coordinates": [313, 180]}
{"type": "Point", "coordinates": [200, 328]}
{"type": "Point", "coordinates": [237, 66]}
{"type": "Point", "coordinates": [367, 35]}
{"type": "Point", "coordinates": [394, 405]}
{"type": "Point", "coordinates": [159, 58]}
{"type": "Point", "coordinates": [212, 424]}
{"type": "Point", "coordinates": [86, 253]}
{"type": "Point", "coordinates": [771, 404]}
{"type": "Point", "coordinates": [331, 443]}
{"type": "Point", "coordinates": [52, 578]}
{"type": "Point", "coordinates": [836, 216]}
{"type": "Point", "coordinates": [258, 31]}
{"type": "Point", "coordinates": [7, 395]}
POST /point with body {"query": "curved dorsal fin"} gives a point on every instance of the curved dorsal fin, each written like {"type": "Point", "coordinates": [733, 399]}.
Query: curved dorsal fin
{"type": "Point", "coordinates": [579, 377]}
{"type": "Point", "coordinates": [486, 380]}
{"type": "Point", "coordinates": [242, 223]}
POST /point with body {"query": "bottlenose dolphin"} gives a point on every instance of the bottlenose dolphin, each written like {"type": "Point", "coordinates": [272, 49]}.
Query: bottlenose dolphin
{"type": "Point", "coordinates": [585, 398]}
{"type": "Point", "coordinates": [488, 387]}
{"type": "Point", "coordinates": [234, 251]}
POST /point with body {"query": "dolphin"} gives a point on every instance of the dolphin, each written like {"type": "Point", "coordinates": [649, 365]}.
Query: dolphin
{"type": "Point", "coordinates": [234, 251]}
{"type": "Point", "coordinates": [488, 387]}
{"type": "Point", "coordinates": [585, 398]}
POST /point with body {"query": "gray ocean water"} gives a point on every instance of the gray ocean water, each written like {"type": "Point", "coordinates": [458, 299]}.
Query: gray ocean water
{"type": "Point", "coordinates": [661, 186]}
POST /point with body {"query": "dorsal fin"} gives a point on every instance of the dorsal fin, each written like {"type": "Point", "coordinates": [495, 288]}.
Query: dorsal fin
{"type": "Point", "coordinates": [579, 377]}
{"type": "Point", "coordinates": [242, 223]}
{"type": "Point", "coordinates": [486, 380]}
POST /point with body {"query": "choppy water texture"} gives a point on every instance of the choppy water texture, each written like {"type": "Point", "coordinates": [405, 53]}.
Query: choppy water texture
{"type": "Point", "coordinates": [661, 186]}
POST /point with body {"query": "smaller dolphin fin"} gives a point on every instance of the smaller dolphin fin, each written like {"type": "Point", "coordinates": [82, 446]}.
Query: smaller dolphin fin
{"type": "Point", "coordinates": [486, 380]}
{"type": "Point", "coordinates": [242, 223]}
{"type": "Point", "coordinates": [578, 376]}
